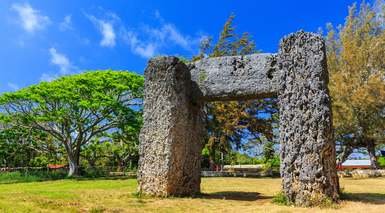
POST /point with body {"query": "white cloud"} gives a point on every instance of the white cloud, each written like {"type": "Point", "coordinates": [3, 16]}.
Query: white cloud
{"type": "Point", "coordinates": [177, 37]}
{"type": "Point", "coordinates": [106, 28]}
{"type": "Point", "coordinates": [30, 19]}
{"type": "Point", "coordinates": [108, 34]}
{"type": "Point", "coordinates": [13, 86]}
{"type": "Point", "coordinates": [168, 33]}
{"type": "Point", "coordinates": [66, 24]}
{"type": "Point", "coordinates": [155, 39]}
{"type": "Point", "coordinates": [145, 41]}
{"type": "Point", "coordinates": [62, 62]}
{"type": "Point", "coordinates": [145, 50]}
{"type": "Point", "coordinates": [49, 77]}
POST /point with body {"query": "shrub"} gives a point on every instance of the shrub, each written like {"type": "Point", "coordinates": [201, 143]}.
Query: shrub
{"type": "Point", "coordinates": [381, 162]}
{"type": "Point", "coordinates": [95, 172]}
{"type": "Point", "coordinates": [31, 176]}
{"type": "Point", "coordinates": [281, 199]}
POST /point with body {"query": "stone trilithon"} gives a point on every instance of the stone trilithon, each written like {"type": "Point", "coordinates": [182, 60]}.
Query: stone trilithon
{"type": "Point", "coordinates": [172, 136]}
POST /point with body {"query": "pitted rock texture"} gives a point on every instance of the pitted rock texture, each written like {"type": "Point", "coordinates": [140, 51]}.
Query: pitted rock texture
{"type": "Point", "coordinates": [172, 136]}
{"type": "Point", "coordinates": [308, 162]}
{"type": "Point", "coordinates": [236, 77]}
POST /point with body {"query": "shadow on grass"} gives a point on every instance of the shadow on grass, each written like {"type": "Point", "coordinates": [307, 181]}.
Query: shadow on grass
{"type": "Point", "coordinates": [38, 179]}
{"type": "Point", "coordinates": [371, 198]}
{"type": "Point", "coordinates": [234, 195]}
{"type": "Point", "coordinates": [103, 178]}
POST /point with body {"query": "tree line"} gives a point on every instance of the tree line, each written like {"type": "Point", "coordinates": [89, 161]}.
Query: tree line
{"type": "Point", "coordinates": [93, 119]}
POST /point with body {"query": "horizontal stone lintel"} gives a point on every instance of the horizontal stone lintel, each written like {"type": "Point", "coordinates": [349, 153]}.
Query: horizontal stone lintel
{"type": "Point", "coordinates": [236, 77]}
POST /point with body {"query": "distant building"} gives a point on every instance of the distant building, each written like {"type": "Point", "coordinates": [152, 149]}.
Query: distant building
{"type": "Point", "coordinates": [354, 164]}
{"type": "Point", "coordinates": [56, 166]}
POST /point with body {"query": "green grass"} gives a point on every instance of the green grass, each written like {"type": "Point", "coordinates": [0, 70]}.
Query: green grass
{"type": "Point", "coordinates": [30, 176]}
{"type": "Point", "coordinates": [218, 195]}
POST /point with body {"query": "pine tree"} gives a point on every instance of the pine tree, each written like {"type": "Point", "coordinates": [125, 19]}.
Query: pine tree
{"type": "Point", "coordinates": [356, 53]}
{"type": "Point", "coordinates": [229, 122]}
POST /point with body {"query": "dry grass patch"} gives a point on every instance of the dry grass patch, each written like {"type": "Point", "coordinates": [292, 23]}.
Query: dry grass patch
{"type": "Point", "coordinates": [219, 195]}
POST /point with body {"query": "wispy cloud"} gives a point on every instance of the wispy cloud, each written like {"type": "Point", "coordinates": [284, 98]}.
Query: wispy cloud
{"type": "Point", "coordinates": [13, 86]}
{"type": "Point", "coordinates": [66, 24]}
{"type": "Point", "coordinates": [30, 19]}
{"type": "Point", "coordinates": [108, 33]}
{"type": "Point", "coordinates": [145, 40]}
{"type": "Point", "coordinates": [49, 77]}
{"type": "Point", "coordinates": [153, 40]}
{"type": "Point", "coordinates": [106, 28]}
{"type": "Point", "coordinates": [62, 62]}
{"type": "Point", "coordinates": [169, 33]}
{"type": "Point", "coordinates": [145, 50]}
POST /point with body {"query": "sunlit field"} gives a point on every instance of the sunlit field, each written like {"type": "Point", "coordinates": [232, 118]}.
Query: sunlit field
{"type": "Point", "coordinates": [219, 195]}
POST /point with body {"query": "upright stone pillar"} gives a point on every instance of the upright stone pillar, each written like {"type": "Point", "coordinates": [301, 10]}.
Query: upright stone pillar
{"type": "Point", "coordinates": [172, 136]}
{"type": "Point", "coordinates": [308, 161]}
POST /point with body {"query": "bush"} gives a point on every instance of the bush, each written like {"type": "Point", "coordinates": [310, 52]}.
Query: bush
{"type": "Point", "coordinates": [95, 172]}
{"type": "Point", "coordinates": [281, 199]}
{"type": "Point", "coordinates": [39, 161]}
{"type": "Point", "coordinates": [315, 200]}
{"type": "Point", "coordinates": [381, 162]}
{"type": "Point", "coordinates": [235, 158]}
{"type": "Point", "coordinates": [272, 165]}
{"type": "Point", "coordinates": [31, 176]}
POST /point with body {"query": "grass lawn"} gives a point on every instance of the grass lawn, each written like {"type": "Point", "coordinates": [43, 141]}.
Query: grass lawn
{"type": "Point", "coordinates": [220, 195]}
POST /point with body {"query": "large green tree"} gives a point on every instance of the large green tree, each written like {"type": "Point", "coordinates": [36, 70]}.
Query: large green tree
{"type": "Point", "coordinates": [76, 109]}
{"type": "Point", "coordinates": [356, 53]}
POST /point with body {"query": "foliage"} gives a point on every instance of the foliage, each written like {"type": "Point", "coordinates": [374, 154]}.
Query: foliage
{"type": "Point", "coordinates": [268, 151]}
{"type": "Point", "coordinates": [281, 199]}
{"type": "Point", "coordinates": [229, 43]}
{"type": "Point", "coordinates": [30, 176]}
{"type": "Point", "coordinates": [236, 158]}
{"type": "Point", "coordinates": [73, 110]}
{"type": "Point", "coordinates": [39, 161]}
{"type": "Point", "coordinates": [229, 122]}
{"type": "Point", "coordinates": [356, 53]}
{"type": "Point", "coordinates": [21, 147]}
{"type": "Point", "coordinates": [272, 163]}
{"type": "Point", "coordinates": [381, 162]}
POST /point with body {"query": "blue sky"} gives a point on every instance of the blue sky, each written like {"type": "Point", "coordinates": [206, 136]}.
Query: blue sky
{"type": "Point", "coordinates": [44, 39]}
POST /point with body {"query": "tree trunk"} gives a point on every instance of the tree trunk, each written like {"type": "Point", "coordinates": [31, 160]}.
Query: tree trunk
{"type": "Point", "coordinates": [372, 153]}
{"type": "Point", "coordinates": [73, 166]}
{"type": "Point", "coordinates": [212, 160]}
{"type": "Point", "coordinates": [222, 162]}
{"type": "Point", "coordinates": [73, 159]}
{"type": "Point", "coordinates": [346, 151]}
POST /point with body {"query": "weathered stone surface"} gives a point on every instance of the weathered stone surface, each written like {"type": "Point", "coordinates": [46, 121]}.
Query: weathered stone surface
{"type": "Point", "coordinates": [172, 135]}
{"type": "Point", "coordinates": [308, 162]}
{"type": "Point", "coordinates": [236, 77]}
{"type": "Point", "coordinates": [171, 138]}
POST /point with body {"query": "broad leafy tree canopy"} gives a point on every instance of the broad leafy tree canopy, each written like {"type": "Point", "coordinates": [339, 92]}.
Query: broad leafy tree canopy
{"type": "Point", "coordinates": [74, 109]}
